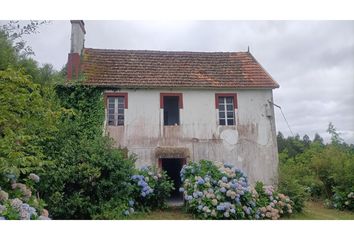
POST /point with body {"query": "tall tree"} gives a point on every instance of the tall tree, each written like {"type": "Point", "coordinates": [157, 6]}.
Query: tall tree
{"type": "Point", "coordinates": [335, 136]}
{"type": "Point", "coordinates": [318, 139]}
{"type": "Point", "coordinates": [306, 140]}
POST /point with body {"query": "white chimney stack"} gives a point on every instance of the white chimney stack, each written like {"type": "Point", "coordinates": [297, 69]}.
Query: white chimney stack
{"type": "Point", "coordinates": [77, 36]}
{"type": "Point", "coordinates": [78, 32]}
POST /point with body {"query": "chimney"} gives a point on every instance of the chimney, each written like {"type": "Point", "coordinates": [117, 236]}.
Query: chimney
{"type": "Point", "coordinates": [76, 48]}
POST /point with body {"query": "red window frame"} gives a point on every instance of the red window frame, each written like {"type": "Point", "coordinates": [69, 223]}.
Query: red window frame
{"type": "Point", "coordinates": [179, 95]}
{"type": "Point", "coordinates": [125, 95]}
{"type": "Point", "coordinates": [217, 95]}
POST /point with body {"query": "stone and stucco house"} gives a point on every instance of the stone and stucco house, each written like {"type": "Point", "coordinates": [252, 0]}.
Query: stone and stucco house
{"type": "Point", "coordinates": [172, 107]}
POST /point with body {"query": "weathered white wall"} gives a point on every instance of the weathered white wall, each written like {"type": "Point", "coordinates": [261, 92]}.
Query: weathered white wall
{"type": "Point", "coordinates": [250, 145]}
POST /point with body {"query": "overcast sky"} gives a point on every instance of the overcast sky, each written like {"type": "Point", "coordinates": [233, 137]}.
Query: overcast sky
{"type": "Point", "coordinates": [312, 61]}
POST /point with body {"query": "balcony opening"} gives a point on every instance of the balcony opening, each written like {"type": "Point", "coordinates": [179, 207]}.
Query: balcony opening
{"type": "Point", "coordinates": [171, 110]}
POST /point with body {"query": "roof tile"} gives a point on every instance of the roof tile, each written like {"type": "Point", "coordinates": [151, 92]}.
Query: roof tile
{"type": "Point", "coordinates": [165, 69]}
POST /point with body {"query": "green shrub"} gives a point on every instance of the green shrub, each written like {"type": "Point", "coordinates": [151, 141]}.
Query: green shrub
{"type": "Point", "coordinates": [86, 172]}
{"type": "Point", "coordinates": [28, 121]}
{"type": "Point", "coordinates": [216, 191]}
{"type": "Point", "coordinates": [18, 201]}
{"type": "Point", "coordinates": [150, 189]}
{"type": "Point", "coordinates": [342, 200]}
{"type": "Point", "coordinates": [289, 185]}
{"type": "Point", "coordinates": [321, 172]}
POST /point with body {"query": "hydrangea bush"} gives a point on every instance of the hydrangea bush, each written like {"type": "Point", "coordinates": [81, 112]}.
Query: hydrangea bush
{"type": "Point", "coordinates": [151, 189]}
{"type": "Point", "coordinates": [218, 191]}
{"type": "Point", "coordinates": [341, 200]}
{"type": "Point", "coordinates": [18, 201]}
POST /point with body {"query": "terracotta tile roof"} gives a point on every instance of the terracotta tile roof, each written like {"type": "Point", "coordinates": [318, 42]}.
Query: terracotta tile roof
{"type": "Point", "coordinates": [156, 69]}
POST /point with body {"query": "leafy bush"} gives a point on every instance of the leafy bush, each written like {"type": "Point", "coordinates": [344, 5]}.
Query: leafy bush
{"type": "Point", "coordinates": [28, 121]}
{"type": "Point", "coordinates": [342, 200]}
{"type": "Point", "coordinates": [87, 175]}
{"type": "Point", "coordinates": [321, 171]}
{"type": "Point", "coordinates": [18, 201]}
{"type": "Point", "coordinates": [217, 191]}
{"type": "Point", "coordinates": [290, 185]}
{"type": "Point", "coordinates": [150, 189]}
{"type": "Point", "coordinates": [272, 204]}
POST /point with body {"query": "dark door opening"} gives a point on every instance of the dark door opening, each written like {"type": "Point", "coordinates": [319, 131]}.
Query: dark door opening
{"type": "Point", "coordinates": [173, 167]}
{"type": "Point", "coordinates": [170, 110]}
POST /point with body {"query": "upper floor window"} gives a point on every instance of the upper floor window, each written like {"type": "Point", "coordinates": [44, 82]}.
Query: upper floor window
{"type": "Point", "coordinates": [226, 103]}
{"type": "Point", "coordinates": [171, 103]}
{"type": "Point", "coordinates": [116, 103]}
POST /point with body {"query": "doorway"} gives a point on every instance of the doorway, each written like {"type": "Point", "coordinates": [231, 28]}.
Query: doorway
{"type": "Point", "coordinates": [173, 167]}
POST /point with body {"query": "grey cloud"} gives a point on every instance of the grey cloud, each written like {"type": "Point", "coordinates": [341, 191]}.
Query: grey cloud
{"type": "Point", "coordinates": [313, 61]}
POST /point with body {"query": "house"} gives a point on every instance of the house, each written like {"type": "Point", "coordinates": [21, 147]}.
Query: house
{"type": "Point", "coordinates": [173, 107]}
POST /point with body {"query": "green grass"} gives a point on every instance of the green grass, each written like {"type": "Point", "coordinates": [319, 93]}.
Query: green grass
{"type": "Point", "coordinates": [312, 211]}
{"type": "Point", "coordinates": [316, 211]}
{"type": "Point", "coordinates": [171, 213]}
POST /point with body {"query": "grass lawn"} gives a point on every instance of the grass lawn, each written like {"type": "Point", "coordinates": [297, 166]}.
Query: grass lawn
{"type": "Point", "coordinates": [171, 213]}
{"type": "Point", "coordinates": [316, 211]}
{"type": "Point", "coordinates": [312, 211]}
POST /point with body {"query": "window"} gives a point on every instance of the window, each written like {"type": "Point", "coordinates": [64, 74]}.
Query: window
{"type": "Point", "coordinates": [171, 103]}
{"type": "Point", "coordinates": [116, 103]}
{"type": "Point", "coordinates": [226, 105]}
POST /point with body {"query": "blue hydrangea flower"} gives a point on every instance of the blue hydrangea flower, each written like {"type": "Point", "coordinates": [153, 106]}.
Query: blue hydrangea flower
{"type": "Point", "coordinates": [126, 212]}
{"type": "Point", "coordinates": [181, 189]}
{"type": "Point", "coordinates": [220, 207]}
{"type": "Point", "coordinates": [201, 181]}
{"type": "Point", "coordinates": [247, 211]}
{"type": "Point", "coordinates": [222, 190]}
{"type": "Point", "coordinates": [188, 198]}
{"type": "Point", "coordinates": [224, 179]}
{"type": "Point", "coordinates": [143, 194]}
{"type": "Point", "coordinates": [144, 168]}
{"type": "Point", "coordinates": [11, 176]}
{"type": "Point", "coordinates": [131, 203]}
{"type": "Point", "coordinates": [32, 211]}
{"type": "Point", "coordinates": [232, 210]}
{"type": "Point", "coordinates": [226, 165]}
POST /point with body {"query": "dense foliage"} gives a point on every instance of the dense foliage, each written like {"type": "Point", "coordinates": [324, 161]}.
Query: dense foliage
{"type": "Point", "coordinates": [86, 172]}
{"type": "Point", "coordinates": [312, 169]}
{"type": "Point", "coordinates": [18, 201]}
{"type": "Point", "coordinates": [56, 130]}
{"type": "Point", "coordinates": [27, 123]}
{"type": "Point", "coordinates": [151, 189]}
{"type": "Point", "coordinates": [216, 191]}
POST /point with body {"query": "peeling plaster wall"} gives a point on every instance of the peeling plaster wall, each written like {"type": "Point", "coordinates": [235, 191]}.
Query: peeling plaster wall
{"type": "Point", "coordinates": [250, 145]}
